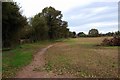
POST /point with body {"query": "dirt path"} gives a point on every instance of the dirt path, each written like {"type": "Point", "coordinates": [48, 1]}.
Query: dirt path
{"type": "Point", "coordinates": [38, 61]}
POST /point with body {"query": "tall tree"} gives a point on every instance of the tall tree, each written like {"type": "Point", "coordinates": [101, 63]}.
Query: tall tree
{"type": "Point", "coordinates": [40, 27]}
{"type": "Point", "coordinates": [12, 23]}
{"type": "Point", "coordinates": [48, 25]}
{"type": "Point", "coordinates": [53, 18]}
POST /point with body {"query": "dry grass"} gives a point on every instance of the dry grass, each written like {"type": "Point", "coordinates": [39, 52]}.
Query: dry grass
{"type": "Point", "coordinates": [80, 57]}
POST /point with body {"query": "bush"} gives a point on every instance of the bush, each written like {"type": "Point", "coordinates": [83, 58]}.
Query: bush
{"type": "Point", "coordinates": [93, 33]}
{"type": "Point", "coordinates": [115, 41]}
{"type": "Point", "coordinates": [105, 41]}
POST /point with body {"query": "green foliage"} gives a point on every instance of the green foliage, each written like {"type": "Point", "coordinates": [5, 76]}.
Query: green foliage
{"type": "Point", "coordinates": [13, 60]}
{"type": "Point", "coordinates": [110, 34]}
{"type": "Point", "coordinates": [45, 25]}
{"type": "Point", "coordinates": [57, 27]}
{"type": "Point", "coordinates": [72, 34]}
{"type": "Point", "coordinates": [40, 29]}
{"type": "Point", "coordinates": [93, 33]}
{"type": "Point", "coordinates": [12, 22]}
{"type": "Point", "coordinates": [81, 34]}
{"type": "Point", "coordinates": [48, 25]}
{"type": "Point", "coordinates": [117, 33]}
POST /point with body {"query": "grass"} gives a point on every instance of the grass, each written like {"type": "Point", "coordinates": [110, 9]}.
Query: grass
{"type": "Point", "coordinates": [14, 60]}
{"type": "Point", "coordinates": [81, 57]}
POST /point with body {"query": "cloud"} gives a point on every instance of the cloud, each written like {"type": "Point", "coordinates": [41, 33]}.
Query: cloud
{"type": "Point", "coordinates": [100, 15]}
{"type": "Point", "coordinates": [103, 27]}
{"type": "Point", "coordinates": [81, 15]}
{"type": "Point", "coordinates": [31, 7]}
{"type": "Point", "coordinates": [89, 12]}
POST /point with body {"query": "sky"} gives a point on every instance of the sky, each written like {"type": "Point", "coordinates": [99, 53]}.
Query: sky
{"type": "Point", "coordinates": [81, 15]}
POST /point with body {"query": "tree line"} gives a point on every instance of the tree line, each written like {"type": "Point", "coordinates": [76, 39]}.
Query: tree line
{"type": "Point", "coordinates": [48, 24]}
{"type": "Point", "coordinates": [45, 25]}
{"type": "Point", "coordinates": [12, 23]}
{"type": "Point", "coordinates": [95, 33]}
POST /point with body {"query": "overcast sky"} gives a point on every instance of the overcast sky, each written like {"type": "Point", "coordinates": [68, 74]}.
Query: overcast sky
{"type": "Point", "coordinates": [81, 15]}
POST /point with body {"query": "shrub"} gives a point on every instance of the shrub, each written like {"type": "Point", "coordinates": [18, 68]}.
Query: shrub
{"type": "Point", "coordinates": [115, 41]}
{"type": "Point", "coordinates": [105, 41]}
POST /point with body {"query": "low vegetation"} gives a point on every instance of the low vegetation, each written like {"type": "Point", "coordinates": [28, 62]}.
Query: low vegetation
{"type": "Point", "coordinates": [13, 60]}
{"type": "Point", "coordinates": [80, 57]}
{"type": "Point", "coordinates": [115, 41]}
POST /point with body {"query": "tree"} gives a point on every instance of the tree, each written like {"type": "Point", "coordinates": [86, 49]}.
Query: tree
{"type": "Point", "coordinates": [109, 34]}
{"type": "Point", "coordinates": [53, 18]}
{"type": "Point", "coordinates": [117, 33]}
{"type": "Point", "coordinates": [64, 31]}
{"type": "Point", "coordinates": [12, 22]}
{"type": "Point", "coordinates": [48, 25]}
{"type": "Point", "coordinates": [81, 34]}
{"type": "Point", "coordinates": [93, 33]}
{"type": "Point", "coordinates": [72, 34]}
{"type": "Point", "coordinates": [40, 28]}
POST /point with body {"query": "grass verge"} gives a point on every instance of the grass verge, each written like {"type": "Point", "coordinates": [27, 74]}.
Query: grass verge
{"type": "Point", "coordinates": [13, 60]}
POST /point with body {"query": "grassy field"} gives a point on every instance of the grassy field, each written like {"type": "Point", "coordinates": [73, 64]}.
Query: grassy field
{"type": "Point", "coordinates": [14, 60]}
{"type": "Point", "coordinates": [81, 57]}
